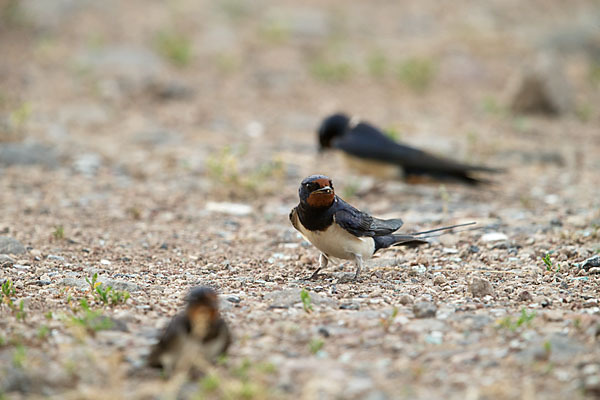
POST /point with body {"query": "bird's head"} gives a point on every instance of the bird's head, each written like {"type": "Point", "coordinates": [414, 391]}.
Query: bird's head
{"type": "Point", "coordinates": [202, 308]}
{"type": "Point", "coordinates": [317, 191]}
{"type": "Point", "coordinates": [332, 126]}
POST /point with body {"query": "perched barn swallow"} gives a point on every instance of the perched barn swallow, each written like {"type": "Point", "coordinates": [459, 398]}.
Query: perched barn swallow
{"type": "Point", "coordinates": [339, 230]}
{"type": "Point", "coordinates": [363, 142]}
{"type": "Point", "coordinates": [197, 333]}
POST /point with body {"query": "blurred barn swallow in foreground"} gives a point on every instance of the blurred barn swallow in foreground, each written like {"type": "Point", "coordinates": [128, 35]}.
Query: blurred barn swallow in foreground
{"type": "Point", "coordinates": [198, 333]}
{"type": "Point", "coordinates": [364, 142]}
{"type": "Point", "coordinates": [339, 230]}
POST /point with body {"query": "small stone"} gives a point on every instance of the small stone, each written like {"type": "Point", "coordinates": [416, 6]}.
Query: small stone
{"type": "Point", "coordinates": [6, 260]}
{"type": "Point", "coordinates": [10, 245]}
{"type": "Point", "coordinates": [350, 306]}
{"type": "Point", "coordinates": [474, 249]}
{"type": "Point", "coordinates": [52, 257]}
{"type": "Point", "coordinates": [229, 208]}
{"type": "Point", "coordinates": [105, 262]}
{"type": "Point", "coordinates": [591, 263]}
{"type": "Point", "coordinates": [406, 299]}
{"type": "Point", "coordinates": [346, 278]}
{"type": "Point", "coordinates": [541, 88]}
{"type": "Point", "coordinates": [424, 309]}
{"type": "Point", "coordinates": [439, 280]}
{"type": "Point", "coordinates": [590, 303]}
{"type": "Point", "coordinates": [493, 237]}
{"type": "Point", "coordinates": [480, 287]}
{"type": "Point", "coordinates": [591, 385]}
{"type": "Point", "coordinates": [594, 270]}
{"type": "Point", "coordinates": [27, 154]}
{"type": "Point", "coordinates": [234, 299]}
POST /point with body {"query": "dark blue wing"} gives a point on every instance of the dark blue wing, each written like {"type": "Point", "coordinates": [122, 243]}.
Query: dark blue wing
{"type": "Point", "coordinates": [366, 141]}
{"type": "Point", "coordinates": [359, 223]}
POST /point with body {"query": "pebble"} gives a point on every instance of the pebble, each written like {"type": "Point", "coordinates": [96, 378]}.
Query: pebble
{"type": "Point", "coordinates": [350, 306]}
{"type": "Point", "coordinates": [424, 309]}
{"type": "Point", "coordinates": [594, 270]}
{"type": "Point", "coordinates": [493, 237]}
{"type": "Point", "coordinates": [234, 299]}
{"type": "Point", "coordinates": [10, 245]}
{"type": "Point", "coordinates": [52, 257]}
{"type": "Point", "coordinates": [439, 280]}
{"type": "Point", "coordinates": [406, 299]}
{"type": "Point", "coordinates": [6, 260]}
{"type": "Point", "coordinates": [237, 209]}
{"type": "Point", "coordinates": [480, 287]}
{"type": "Point", "coordinates": [27, 154]}
{"type": "Point", "coordinates": [592, 262]}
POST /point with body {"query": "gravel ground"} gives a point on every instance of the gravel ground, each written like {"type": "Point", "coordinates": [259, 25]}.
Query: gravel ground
{"type": "Point", "coordinates": [160, 146]}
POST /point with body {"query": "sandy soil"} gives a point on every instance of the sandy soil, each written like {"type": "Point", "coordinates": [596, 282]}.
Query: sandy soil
{"type": "Point", "coordinates": [127, 128]}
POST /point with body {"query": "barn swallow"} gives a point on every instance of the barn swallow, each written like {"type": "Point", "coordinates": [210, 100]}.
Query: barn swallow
{"type": "Point", "coordinates": [196, 333]}
{"type": "Point", "coordinates": [339, 230]}
{"type": "Point", "coordinates": [363, 142]}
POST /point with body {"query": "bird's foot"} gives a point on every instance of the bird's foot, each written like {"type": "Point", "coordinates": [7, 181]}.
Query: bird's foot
{"type": "Point", "coordinates": [315, 275]}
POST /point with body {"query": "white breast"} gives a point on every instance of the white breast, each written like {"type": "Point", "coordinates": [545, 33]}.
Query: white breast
{"type": "Point", "coordinates": [337, 242]}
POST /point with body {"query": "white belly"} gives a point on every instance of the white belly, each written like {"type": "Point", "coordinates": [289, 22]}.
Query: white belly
{"type": "Point", "coordinates": [337, 242]}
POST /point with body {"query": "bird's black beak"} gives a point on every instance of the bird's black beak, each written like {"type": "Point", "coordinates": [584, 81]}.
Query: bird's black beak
{"type": "Point", "coordinates": [326, 189]}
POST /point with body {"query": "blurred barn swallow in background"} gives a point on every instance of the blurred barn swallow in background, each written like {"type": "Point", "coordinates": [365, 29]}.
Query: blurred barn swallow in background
{"type": "Point", "coordinates": [364, 142]}
{"type": "Point", "coordinates": [339, 230]}
{"type": "Point", "coordinates": [196, 334]}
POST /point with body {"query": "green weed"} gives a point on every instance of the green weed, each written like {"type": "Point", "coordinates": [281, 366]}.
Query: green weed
{"type": "Point", "coordinates": [525, 318]}
{"type": "Point", "coordinates": [416, 73]}
{"type": "Point", "coordinates": [106, 295]}
{"type": "Point", "coordinates": [306, 301]}
{"type": "Point", "coordinates": [315, 345]}
{"type": "Point", "coordinates": [174, 47]}
{"type": "Point", "coordinates": [377, 64]}
{"type": "Point", "coordinates": [330, 71]}
{"type": "Point", "coordinates": [92, 320]}
{"type": "Point", "coordinates": [59, 232]}
{"type": "Point", "coordinates": [549, 265]}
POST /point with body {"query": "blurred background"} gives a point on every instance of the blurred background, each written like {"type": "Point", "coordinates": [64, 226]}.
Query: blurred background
{"type": "Point", "coordinates": [160, 144]}
{"type": "Point", "coordinates": [156, 88]}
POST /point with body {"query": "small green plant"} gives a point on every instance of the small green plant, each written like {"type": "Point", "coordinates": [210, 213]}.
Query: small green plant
{"type": "Point", "coordinates": [275, 31]}
{"type": "Point", "coordinates": [445, 196]}
{"type": "Point", "coordinates": [377, 64]}
{"type": "Point", "coordinates": [549, 265]}
{"type": "Point", "coordinates": [19, 117]}
{"type": "Point", "coordinates": [315, 345]}
{"type": "Point", "coordinates": [525, 318]}
{"type": "Point", "coordinates": [20, 312]}
{"type": "Point", "coordinates": [43, 332]}
{"type": "Point", "coordinates": [387, 322]}
{"type": "Point", "coordinates": [306, 301]}
{"type": "Point", "coordinates": [350, 189]}
{"type": "Point", "coordinates": [107, 295]}
{"type": "Point", "coordinates": [8, 290]}
{"type": "Point", "coordinates": [19, 356]}
{"type": "Point", "coordinates": [59, 232]}
{"type": "Point", "coordinates": [210, 383]}
{"type": "Point", "coordinates": [49, 315]}
{"type": "Point", "coordinates": [330, 71]}
{"type": "Point", "coordinates": [92, 320]}
{"type": "Point", "coordinates": [174, 47]}
{"type": "Point", "coordinates": [416, 73]}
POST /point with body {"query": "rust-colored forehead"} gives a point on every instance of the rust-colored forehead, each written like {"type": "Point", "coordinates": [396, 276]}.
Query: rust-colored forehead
{"type": "Point", "coordinates": [323, 182]}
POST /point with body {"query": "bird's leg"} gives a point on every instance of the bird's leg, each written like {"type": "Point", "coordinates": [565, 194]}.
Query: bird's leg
{"type": "Point", "coordinates": [359, 263]}
{"type": "Point", "coordinates": [323, 261]}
